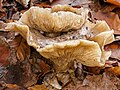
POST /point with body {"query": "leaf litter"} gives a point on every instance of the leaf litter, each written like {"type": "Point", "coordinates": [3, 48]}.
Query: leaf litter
{"type": "Point", "coordinates": [23, 68]}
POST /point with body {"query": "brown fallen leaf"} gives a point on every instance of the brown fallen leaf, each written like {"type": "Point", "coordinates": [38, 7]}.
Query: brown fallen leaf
{"type": "Point", "coordinates": [116, 2]}
{"type": "Point", "coordinates": [115, 70]}
{"type": "Point", "coordinates": [44, 5]}
{"type": "Point", "coordinates": [5, 86]}
{"type": "Point", "coordinates": [38, 87]}
{"type": "Point", "coordinates": [2, 25]}
{"type": "Point", "coordinates": [23, 50]}
{"type": "Point", "coordinates": [4, 52]}
{"type": "Point", "coordinates": [51, 81]}
{"type": "Point", "coordinates": [20, 74]}
{"type": "Point", "coordinates": [17, 73]}
{"type": "Point", "coordinates": [103, 6]}
{"type": "Point", "coordinates": [79, 72]}
{"type": "Point", "coordinates": [13, 87]}
{"type": "Point", "coordinates": [111, 18]}
{"type": "Point", "coordinates": [94, 70]}
{"type": "Point", "coordinates": [39, 64]}
{"type": "Point", "coordinates": [2, 14]}
{"type": "Point", "coordinates": [96, 82]}
{"type": "Point", "coordinates": [117, 11]}
{"type": "Point", "coordinates": [44, 67]}
{"type": "Point", "coordinates": [62, 2]}
{"type": "Point", "coordinates": [108, 8]}
{"type": "Point", "coordinates": [1, 4]}
{"type": "Point", "coordinates": [112, 63]}
{"type": "Point", "coordinates": [84, 3]}
{"type": "Point", "coordinates": [23, 2]}
{"type": "Point", "coordinates": [40, 4]}
{"type": "Point", "coordinates": [115, 48]}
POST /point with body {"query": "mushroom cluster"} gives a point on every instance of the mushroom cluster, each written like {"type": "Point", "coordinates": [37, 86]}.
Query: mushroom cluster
{"type": "Point", "coordinates": [64, 34]}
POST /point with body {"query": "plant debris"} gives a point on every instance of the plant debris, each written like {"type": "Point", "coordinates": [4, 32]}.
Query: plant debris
{"type": "Point", "coordinates": [59, 45]}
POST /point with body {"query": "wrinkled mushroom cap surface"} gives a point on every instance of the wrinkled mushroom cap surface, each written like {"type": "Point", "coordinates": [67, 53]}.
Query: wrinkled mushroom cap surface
{"type": "Point", "coordinates": [83, 51]}
{"type": "Point", "coordinates": [49, 21]}
{"type": "Point", "coordinates": [70, 46]}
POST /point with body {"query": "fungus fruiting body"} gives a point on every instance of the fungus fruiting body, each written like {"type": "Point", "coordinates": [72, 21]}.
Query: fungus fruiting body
{"type": "Point", "coordinates": [64, 34]}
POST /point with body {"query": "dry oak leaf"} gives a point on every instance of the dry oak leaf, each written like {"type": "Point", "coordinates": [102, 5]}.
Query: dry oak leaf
{"type": "Point", "coordinates": [38, 87]}
{"type": "Point", "coordinates": [111, 18]}
{"type": "Point", "coordinates": [62, 49]}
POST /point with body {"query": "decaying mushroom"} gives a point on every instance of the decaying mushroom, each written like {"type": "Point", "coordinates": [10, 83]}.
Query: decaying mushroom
{"type": "Point", "coordinates": [64, 34]}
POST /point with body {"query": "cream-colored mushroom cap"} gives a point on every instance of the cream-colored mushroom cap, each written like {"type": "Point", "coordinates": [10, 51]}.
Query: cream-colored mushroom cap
{"type": "Point", "coordinates": [83, 51]}
{"type": "Point", "coordinates": [48, 20]}
{"type": "Point", "coordinates": [65, 47]}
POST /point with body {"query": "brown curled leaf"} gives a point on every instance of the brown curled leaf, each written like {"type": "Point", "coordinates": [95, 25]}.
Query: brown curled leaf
{"type": "Point", "coordinates": [116, 2]}
{"type": "Point", "coordinates": [115, 48]}
{"type": "Point", "coordinates": [22, 48]}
